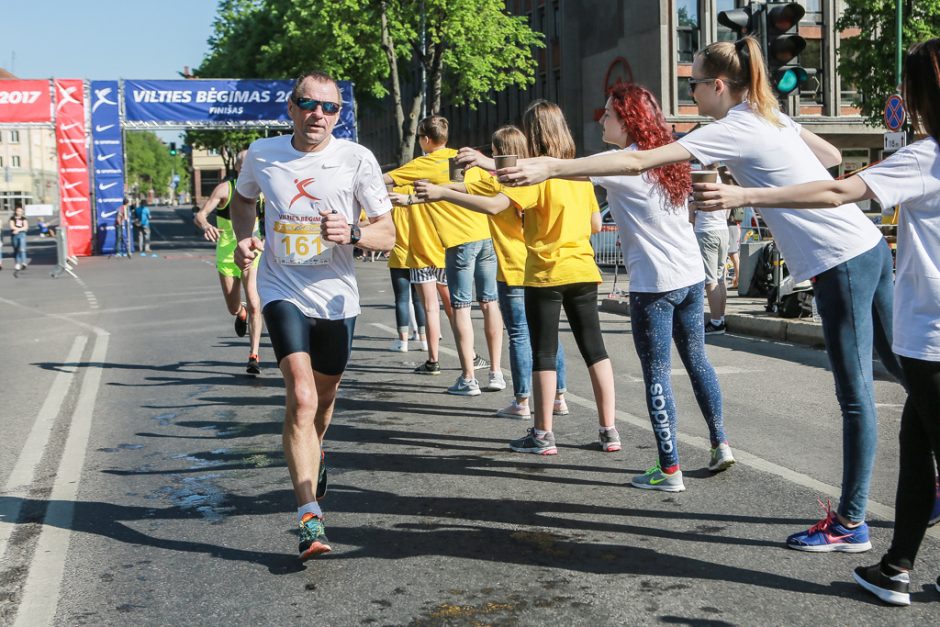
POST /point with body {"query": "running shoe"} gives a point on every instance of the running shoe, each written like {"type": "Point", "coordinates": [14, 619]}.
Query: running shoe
{"type": "Point", "coordinates": [515, 410]}
{"type": "Point", "coordinates": [464, 387]}
{"type": "Point", "coordinates": [497, 382]}
{"type": "Point", "coordinates": [479, 363]}
{"type": "Point", "coordinates": [935, 514]}
{"type": "Point", "coordinates": [428, 367]}
{"type": "Point", "coordinates": [715, 329]}
{"type": "Point", "coordinates": [241, 321]}
{"type": "Point", "coordinates": [322, 478]}
{"type": "Point", "coordinates": [560, 408]}
{"type": "Point", "coordinates": [399, 346]}
{"type": "Point", "coordinates": [938, 584]}
{"type": "Point", "coordinates": [610, 440]}
{"type": "Point", "coordinates": [532, 443]}
{"type": "Point", "coordinates": [828, 535]}
{"type": "Point", "coordinates": [254, 364]}
{"type": "Point", "coordinates": [721, 458]}
{"type": "Point", "coordinates": [312, 537]}
{"type": "Point", "coordinates": [886, 582]}
{"type": "Point", "coordinates": [656, 479]}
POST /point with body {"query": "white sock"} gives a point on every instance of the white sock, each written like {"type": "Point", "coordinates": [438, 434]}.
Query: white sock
{"type": "Point", "coordinates": [720, 320]}
{"type": "Point", "coordinates": [606, 429]}
{"type": "Point", "coordinates": [310, 508]}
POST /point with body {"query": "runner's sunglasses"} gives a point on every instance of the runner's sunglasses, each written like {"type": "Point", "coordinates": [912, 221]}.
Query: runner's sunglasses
{"type": "Point", "coordinates": [309, 104]}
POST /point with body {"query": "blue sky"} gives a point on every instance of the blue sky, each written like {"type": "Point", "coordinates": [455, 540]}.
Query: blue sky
{"type": "Point", "coordinates": [104, 39]}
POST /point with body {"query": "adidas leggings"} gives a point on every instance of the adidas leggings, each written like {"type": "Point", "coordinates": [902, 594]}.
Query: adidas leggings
{"type": "Point", "coordinates": [920, 447]}
{"type": "Point", "coordinates": [658, 319]}
{"type": "Point", "coordinates": [543, 313]}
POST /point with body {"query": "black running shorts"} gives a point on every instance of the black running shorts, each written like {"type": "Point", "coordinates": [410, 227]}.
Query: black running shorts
{"type": "Point", "coordinates": [328, 342]}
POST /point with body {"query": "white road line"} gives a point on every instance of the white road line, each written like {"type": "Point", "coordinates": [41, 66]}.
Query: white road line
{"type": "Point", "coordinates": [743, 457]}
{"type": "Point", "coordinates": [166, 303]}
{"type": "Point", "coordinates": [41, 591]}
{"type": "Point", "coordinates": [24, 472]}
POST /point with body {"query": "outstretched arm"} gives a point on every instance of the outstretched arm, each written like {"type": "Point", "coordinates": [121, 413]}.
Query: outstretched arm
{"type": "Point", "coordinates": [490, 205]}
{"type": "Point", "coordinates": [815, 195]}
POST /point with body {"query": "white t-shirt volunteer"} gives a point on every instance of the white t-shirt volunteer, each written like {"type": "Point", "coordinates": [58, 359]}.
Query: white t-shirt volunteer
{"type": "Point", "coordinates": [658, 243]}
{"type": "Point", "coordinates": [911, 178]}
{"type": "Point", "coordinates": [296, 267]}
{"type": "Point", "coordinates": [760, 154]}
{"type": "Point", "coordinates": [707, 221]}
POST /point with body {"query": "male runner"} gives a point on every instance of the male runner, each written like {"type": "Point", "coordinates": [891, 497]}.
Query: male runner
{"type": "Point", "coordinates": [248, 312]}
{"type": "Point", "coordinates": [314, 185]}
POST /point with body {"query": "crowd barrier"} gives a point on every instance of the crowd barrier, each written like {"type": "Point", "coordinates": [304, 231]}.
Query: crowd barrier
{"type": "Point", "coordinates": [64, 262]}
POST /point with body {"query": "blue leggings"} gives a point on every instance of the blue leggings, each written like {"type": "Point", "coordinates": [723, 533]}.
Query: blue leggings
{"type": "Point", "coordinates": [402, 287]}
{"type": "Point", "coordinates": [657, 320]}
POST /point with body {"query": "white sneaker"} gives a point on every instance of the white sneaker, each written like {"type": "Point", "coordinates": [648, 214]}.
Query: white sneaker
{"type": "Point", "coordinates": [515, 410]}
{"type": "Point", "coordinates": [720, 458]}
{"type": "Point", "coordinates": [399, 346]}
{"type": "Point", "coordinates": [463, 387]}
{"type": "Point", "coordinates": [423, 344]}
{"type": "Point", "coordinates": [497, 382]}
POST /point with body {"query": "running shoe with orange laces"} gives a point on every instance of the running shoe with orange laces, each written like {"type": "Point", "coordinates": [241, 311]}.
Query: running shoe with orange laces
{"type": "Point", "coordinates": [254, 364]}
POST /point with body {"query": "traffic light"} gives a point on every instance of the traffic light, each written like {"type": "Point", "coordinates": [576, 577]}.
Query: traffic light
{"type": "Point", "coordinates": [784, 46]}
{"type": "Point", "coordinates": [743, 21]}
{"type": "Point", "coordinates": [172, 149]}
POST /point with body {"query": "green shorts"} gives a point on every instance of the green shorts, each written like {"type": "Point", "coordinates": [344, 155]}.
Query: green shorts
{"type": "Point", "coordinates": [225, 250]}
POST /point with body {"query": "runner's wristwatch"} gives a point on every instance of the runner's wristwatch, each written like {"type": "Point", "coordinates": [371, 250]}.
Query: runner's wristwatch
{"type": "Point", "coordinates": [355, 234]}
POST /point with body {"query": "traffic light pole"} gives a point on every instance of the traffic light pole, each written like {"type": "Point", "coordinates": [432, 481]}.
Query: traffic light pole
{"type": "Point", "coordinates": [898, 24]}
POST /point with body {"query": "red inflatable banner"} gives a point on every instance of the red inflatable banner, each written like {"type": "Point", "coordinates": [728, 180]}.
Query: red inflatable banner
{"type": "Point", "coordinates": [71, 146]}
{"type": "Point", "coordinates": [25, 101]}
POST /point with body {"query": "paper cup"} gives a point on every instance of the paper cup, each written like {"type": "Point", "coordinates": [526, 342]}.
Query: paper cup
{"type": "Point", "coordinates": [504, 161]}
{"type": "Point", "coordinates": [455, 170]}
{"type": "Point", "coordinates": [705, 176]}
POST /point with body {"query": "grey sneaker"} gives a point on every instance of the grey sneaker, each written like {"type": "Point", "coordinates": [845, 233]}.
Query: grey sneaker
{"type": "Point", "coordinates": [464, 387]}
{"type": "Point", "coordinates": [479, 363]}
{"type": "Point", "coordinates": [428, 367]}
{"type": "Point", "coordinates": [721, 458]}
{"type": "Point", "coordinates": [656, 479]}
{"type": "Point", "coordinates": [610, 440]}
{"type": "Point", "coordinates": [497, 382]}
{"type": "Point", "coordinates": [531, 443]}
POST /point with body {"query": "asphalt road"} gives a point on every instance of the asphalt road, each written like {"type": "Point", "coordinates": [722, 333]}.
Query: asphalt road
{"type": "Point", "coordinates": [142, 479]}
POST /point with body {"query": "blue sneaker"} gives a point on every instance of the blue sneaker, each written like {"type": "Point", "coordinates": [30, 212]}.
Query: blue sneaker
{"type": "Point", "coordinates": [828, 536]}
{"type": "Point", "coordinates": [935, 514]}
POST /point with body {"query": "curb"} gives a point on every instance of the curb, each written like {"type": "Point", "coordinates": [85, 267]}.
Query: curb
{"type": "Point", "coordinates": [768, 327]}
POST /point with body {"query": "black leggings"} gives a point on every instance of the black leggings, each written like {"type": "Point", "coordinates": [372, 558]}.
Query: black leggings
{"type": "Point", "coordinates": [543, 312]}
{"type": "Point", "coordinates": [920, 447]}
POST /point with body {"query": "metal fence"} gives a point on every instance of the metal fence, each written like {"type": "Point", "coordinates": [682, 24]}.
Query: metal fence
{"type": "Point", "coordinates": [607, 252]}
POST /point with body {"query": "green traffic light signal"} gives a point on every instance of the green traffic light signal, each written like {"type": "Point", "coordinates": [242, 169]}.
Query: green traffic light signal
{"type": "Point", "coordinates": [784, 45]}
{"type": "Point", "coordinates": [172, 149]}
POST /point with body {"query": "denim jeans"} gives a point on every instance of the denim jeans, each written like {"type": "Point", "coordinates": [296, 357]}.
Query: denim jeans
{"type": "Point", "coordinates": [512, 306]}
{"type": "Point", "coordinates": [854, 300]}
{"type": "Point", "coordinates": [658, 319]}
{"type": "Point", "coordinates": [401, 287]}
{"type": "Point", "coordinates": [469, 264]}
{"type": "Point", "coordinates": [19, 248]}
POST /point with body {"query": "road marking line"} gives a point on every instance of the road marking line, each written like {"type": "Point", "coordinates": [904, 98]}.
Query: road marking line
{"type": "Point", "coordinates": [24, 472]}
{"type": "Point", "coordinates": [41, 591]}
{"type": "Point", "coordinates": [742, 457]}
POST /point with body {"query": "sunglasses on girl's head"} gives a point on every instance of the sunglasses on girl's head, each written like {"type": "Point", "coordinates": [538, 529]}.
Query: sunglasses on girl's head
{"type": "Point", "coordinates": [309, 104]}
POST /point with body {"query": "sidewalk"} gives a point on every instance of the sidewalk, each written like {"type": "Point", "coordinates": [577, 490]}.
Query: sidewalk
{"type": "Point", "coordinates": [743, 315]}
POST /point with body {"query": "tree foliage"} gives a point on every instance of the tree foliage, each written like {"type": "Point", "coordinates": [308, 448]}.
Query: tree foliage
{"type": "Point", "coordinates": [150, 165]}
{"type": "Point", "coordinates": [471, 49]}
{"type": "Point", "coordinates": [868, 59]}
{"type": "Point", "coordinates": [227, 142]}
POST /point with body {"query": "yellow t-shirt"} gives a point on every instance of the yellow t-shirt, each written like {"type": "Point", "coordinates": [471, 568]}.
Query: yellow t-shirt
{"type": "Point", "coordinates": [398, 258]}
{"type": "Point", "coordinates": [421, 245]}
{"type": "Point", "coordinates": [557, 227]}
{"type": "Point", "coordinates": [506, 231]}
{"type": "Point", "coordinates": [454, 225]}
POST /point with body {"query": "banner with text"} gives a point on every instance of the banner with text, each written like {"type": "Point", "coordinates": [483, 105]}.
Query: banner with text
{"type": "Point", "coordinates": [25, 101]}
{"type": "Point", "coordinates": [222, 102]}
{"type": "Point", "coordinates": [72, 153]}
{"type": "Point", "coordinates": [108, 151]}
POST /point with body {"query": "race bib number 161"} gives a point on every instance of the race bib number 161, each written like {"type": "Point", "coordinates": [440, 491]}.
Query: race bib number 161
{"type": "Point", "coordinates": [299, 244]}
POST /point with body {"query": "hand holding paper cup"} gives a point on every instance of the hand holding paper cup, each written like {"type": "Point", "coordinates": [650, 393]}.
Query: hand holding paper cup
{"type": "Point", "coordinates": [455, 170]}
{"type": "Point", "coordinates": [704, 176]}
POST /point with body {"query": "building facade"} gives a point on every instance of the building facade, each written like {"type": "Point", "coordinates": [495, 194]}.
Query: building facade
{"type": "Point", "coordinates": [589, 44]}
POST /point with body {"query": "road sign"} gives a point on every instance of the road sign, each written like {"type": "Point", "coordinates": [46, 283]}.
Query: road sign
{"type": "Point", "coordinates": [895, 141]}
{"type": "Point", "coordinates": [894, 112]}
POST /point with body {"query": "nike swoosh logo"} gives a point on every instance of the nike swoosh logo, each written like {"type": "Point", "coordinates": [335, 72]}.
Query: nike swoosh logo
{"type": "Point", "coordinates": [657, 481]}
{"type": "Point", "coordinates": [106, 157]}
{"type": "Point", "coordinates": [71, 155]}
{"type": "Point", "coordinates": [100, 129]}
{"type": "Point", "coordinates": [74, 212]}
{"type": "Point", "coordinates": [103, 187]}
{"type": "Point", "coordinates": [69, 127]}
{"type": "Point", "coordinates": [72, 185]}
{"type": "Point", "coordinates": [108, 214]}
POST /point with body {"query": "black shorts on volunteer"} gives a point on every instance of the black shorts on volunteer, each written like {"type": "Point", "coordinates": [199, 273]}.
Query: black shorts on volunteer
{"type": "Point", "coordinates": [328, 342]}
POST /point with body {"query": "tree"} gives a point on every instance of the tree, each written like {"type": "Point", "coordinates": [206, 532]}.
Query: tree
{"type": "Point", "coordinates": [868, 59]}
{"type": "Point", "coordinates": [150, 166]}
{"type": "Point", "coordinates": [470, 49]}
{"type": "Point", "coordinates": [227, 142]}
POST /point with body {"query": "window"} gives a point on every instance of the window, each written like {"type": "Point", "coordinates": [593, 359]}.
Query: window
{"type": "Point", "coordinates": [725, 33]}
{"type": "Point", "coordinates": [814, 11]}
{"type": "Point", "coordinates": [684, 92]}
{"type": "Point", "coordinates": [15, 161]}
{"type": "Point", "coordinates": [812, 59]}
{"type": "Point", "coordinates": [14, 137]}
{"type": "Point", "coordinates": [688, 29]}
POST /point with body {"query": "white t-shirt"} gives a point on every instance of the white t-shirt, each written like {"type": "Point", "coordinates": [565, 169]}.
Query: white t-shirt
{"type": "Point", "coordinates": [343, 177]}
{"type": "Point", "coordinates": [759, 154]}
{"type": "Point", "coordinates": [911, 177]}
{"type": "Point", "coordinates": [706, 221]}
{"type": "Point", "coordinates": [659, 246]}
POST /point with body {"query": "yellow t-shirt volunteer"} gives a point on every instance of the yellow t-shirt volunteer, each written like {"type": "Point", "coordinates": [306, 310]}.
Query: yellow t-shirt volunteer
{"type": "Point", "coordinates": [506, 231]}
{"type": "Point", "coordinates": [454, 225]}
{"type": "Point", "coordinates": [557, 229]}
